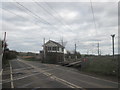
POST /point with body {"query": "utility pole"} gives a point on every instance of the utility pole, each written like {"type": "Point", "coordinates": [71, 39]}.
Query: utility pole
{"type": "Point", "coordinates": [75, 48]}
{"type": "Point", "coordinates": [100, 52]}
{"type": "Point", "coordinates": [3, 45]}
{"type": "Point", "coordinates": [62, 41]}
{"type": "Point", "coordinates": [113, 43]}
{"type": "Point", "coordinates": [75, 52]}
{"type": "Point", "coordinates": [63, 50]}
{"type": "Point", "coordinates": [4, 42]}
{"type": "Point", "coordinates": [44, 48]}
{"type": "Point", "coordinates": [98, 49]}
{"type": "Point", "coordinates": [87, 51]}
{"type": "Point", "coordinates": [5, 37]}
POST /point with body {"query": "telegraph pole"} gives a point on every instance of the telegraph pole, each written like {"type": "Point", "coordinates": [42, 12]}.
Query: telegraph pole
{"type": "Point", "coordinates": [62, 41]}
{"type": "Point", "coordinates": [98, 49]}
{"type": "Point", "coordinates": [4, 42]}
{"type": "Point", "coordinates": [63, 49]}
{"type": "Point", "coordinates": [75, 52]}
{"type": "Point", "coordinates": [5, 37]}
{"type": "Point", "coordinates": [2, 47]}
{"type": "Point", "coordinates": [87, 51]}
{"type": "Point", "coordinates": [44, 48]}
{"type": "Point", "coordinates": [113, 43]}
{"type": "Point", "coordinates": [75, 48]}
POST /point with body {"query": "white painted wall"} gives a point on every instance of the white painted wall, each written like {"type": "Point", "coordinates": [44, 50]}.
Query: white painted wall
{"type": "Point", "coordinates": [51, 44]}
{"type": "Point", "coordinates": [60, 50]}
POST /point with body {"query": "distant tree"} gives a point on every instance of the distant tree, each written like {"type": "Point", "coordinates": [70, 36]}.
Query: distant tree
{"type": "Point", "coordinates": [8, 54]}
{"type": "Point", "coordinates": [78, 54]}
{"type": "Point", "coordinates": [68, 52]}
{"type": "Point", "coordinates": [73, 54]}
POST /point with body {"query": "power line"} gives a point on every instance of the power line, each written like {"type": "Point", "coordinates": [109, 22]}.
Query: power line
{"type": "Point", "coordinates": [94, 22]}
{"type": "Point", "coordinates": [24, 17]}
{"type": "Point", "coordinates": [93, 16]}
{"type": "Point", "coordinates": [16, 14]}
{"type": "Point", "coordinates": [58, 15]}
{"type": "Point", "coordinates": [32, 13]}
{"type": "Point", "coordinates": [13, 13]}
{"type": "Point", "coordinates": [27, 13]}
{"type": "Point", "coordinates": [45, 9]}
{"type": "Point", "coordinates": [24, 12]}
{"type": "Point", "coordinates": [50, 14]}
{"type": "Point", "coordinates": [19, 16]}
{"type": "Point", "coordinates": [35, 14]}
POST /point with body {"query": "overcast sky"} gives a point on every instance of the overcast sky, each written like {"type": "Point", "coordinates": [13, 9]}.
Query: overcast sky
{"type": "Point", "coordinates": [27, 23]}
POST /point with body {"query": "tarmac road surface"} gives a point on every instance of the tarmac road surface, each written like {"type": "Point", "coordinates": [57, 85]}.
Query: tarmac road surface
{"type": "Point", "coordinates": [33, 74]}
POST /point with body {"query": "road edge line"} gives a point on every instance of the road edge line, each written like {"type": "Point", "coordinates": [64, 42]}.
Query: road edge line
{"type": "Point", "coordinates": [54, 77]}
{"type": "Point", "coordinates": [11, 76]}
{"type": "Point", "coordinates": [100, 78]}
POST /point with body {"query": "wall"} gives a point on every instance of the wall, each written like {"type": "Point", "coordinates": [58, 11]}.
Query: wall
{"type": "Point", "coordinates": [53, 57]}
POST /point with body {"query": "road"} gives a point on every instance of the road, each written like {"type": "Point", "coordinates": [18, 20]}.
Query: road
{"type": "Point", "coordinates": [33, 74]}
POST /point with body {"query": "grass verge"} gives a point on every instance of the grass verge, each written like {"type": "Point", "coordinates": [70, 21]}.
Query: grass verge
{"type": "Point", "coordinates": [101, 65]}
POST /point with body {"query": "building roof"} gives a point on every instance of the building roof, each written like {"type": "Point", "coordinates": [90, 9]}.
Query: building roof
{"type": "Point", "coordinates": [59, 45]}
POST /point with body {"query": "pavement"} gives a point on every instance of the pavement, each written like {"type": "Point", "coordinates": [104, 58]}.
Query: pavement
{"type": "Point", "coordinates": [33, 74]}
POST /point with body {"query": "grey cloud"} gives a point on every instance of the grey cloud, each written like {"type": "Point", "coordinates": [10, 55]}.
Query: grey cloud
{"type": "Point", "coordinates": [27, 34]}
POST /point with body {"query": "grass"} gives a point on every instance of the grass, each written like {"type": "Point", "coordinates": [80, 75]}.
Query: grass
{"type": "Point", "coordinates": [101, 65]}
{"type": "Point", "coordinates": [31, 59]}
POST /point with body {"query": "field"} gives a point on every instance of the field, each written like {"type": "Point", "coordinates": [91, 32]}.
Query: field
{"type": "Point", "coordinates": [30, 58]}
{"type": "Point", "coordinates": [104, 65]}
{"type": "Point", "coordinates": [101, 65]}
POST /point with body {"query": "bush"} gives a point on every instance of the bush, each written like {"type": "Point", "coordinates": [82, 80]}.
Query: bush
{"type": "Point", "coordinates": [8, 55]}
{"type": "Point", "coordinates": [31, 59]}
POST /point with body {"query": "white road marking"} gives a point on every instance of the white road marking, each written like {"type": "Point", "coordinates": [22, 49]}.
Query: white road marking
{"type": "Point", "coordinates": [26, 76]}
{"type": "Point", "coordinates": [25, 85]}
{"type": "Point", "coordinates": [12, 86]}
{"type": "Point", "coordinates": [53, 77]}
{"type": "Point", "coordinates": [22, 69]}
{"type": "Point", "coordinates": [90, 83]}
{"type": "Point", "coordinates": [91, 76]}
{"type": "Point", "coordinates": [6, 81]}
{"type": "Point", "coordinates": [65, 82]}
{"type": "Point", "coordinates": [98, 85]}
{"type": "Point", "coordinates": [100, 78]}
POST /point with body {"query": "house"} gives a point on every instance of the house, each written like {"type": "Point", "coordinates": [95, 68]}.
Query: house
{"type": "Point", "coordinates": [53, 52]}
